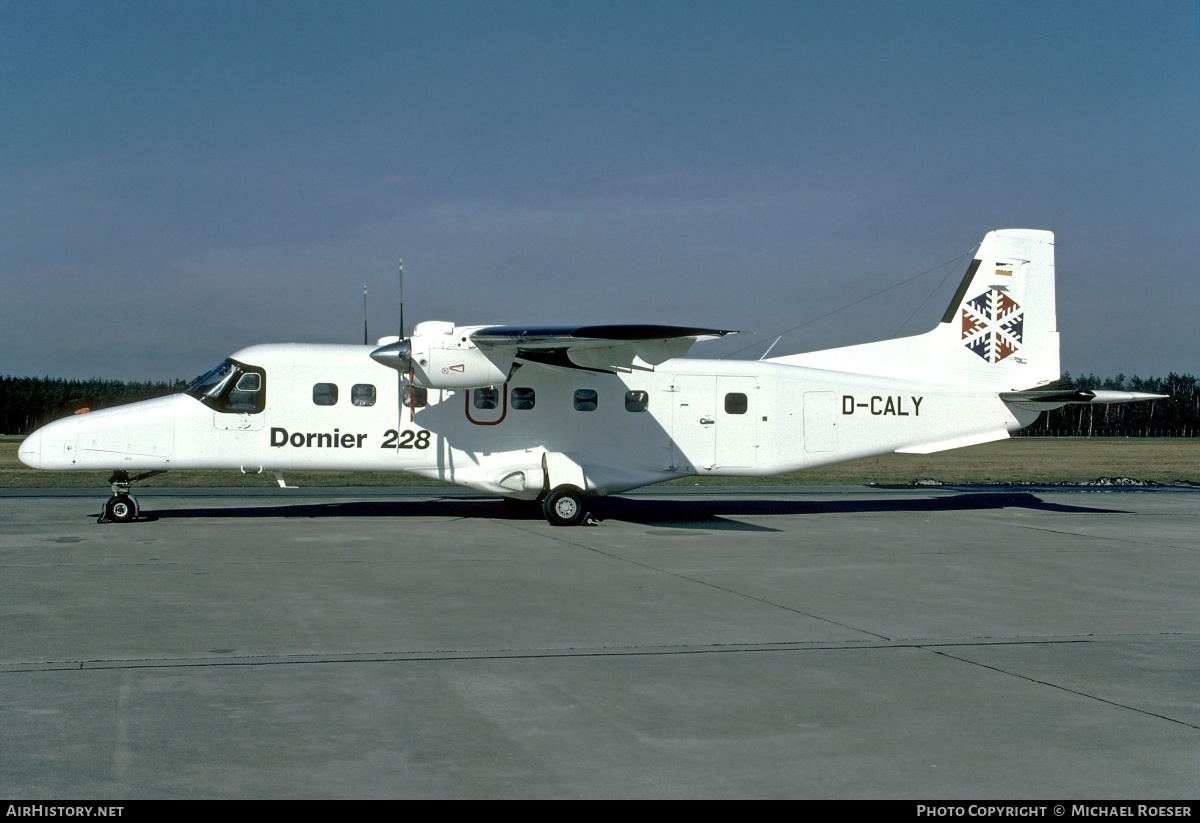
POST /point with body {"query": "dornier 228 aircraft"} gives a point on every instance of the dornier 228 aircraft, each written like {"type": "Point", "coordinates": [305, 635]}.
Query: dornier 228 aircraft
{"type": "Point", "coordinates": [561, 414]}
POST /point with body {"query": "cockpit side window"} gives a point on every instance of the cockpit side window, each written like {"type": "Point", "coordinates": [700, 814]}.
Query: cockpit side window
{"type": "Point", "coordinates": [232, 387]}
{"type": "Point", "coordinates": [245, 394]}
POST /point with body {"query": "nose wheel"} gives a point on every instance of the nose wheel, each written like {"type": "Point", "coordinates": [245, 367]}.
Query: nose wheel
{"type": "Point", "coordinates": [122, 507]}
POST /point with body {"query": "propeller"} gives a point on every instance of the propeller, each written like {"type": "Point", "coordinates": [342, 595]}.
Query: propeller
{"type": "Point", "coordinates": [398, 356]}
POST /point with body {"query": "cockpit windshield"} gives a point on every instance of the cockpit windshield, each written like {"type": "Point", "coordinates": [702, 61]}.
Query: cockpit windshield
{"type": "Point", "coordinates": [211, 383]}
{"type": "Point", "coordinates": [231, 387]}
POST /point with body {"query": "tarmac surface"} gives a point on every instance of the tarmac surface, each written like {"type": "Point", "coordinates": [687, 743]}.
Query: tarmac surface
{"type": "Point", "coordinates": [934, 643]}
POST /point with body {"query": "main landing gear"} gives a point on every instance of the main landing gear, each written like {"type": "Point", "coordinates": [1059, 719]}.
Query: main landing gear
{"type": "Point", "coordinates": [564, 506]}
{"type": "Point", "coordinates": [561, 506]}
{"type": "Point", "coordinates": [122, 507]}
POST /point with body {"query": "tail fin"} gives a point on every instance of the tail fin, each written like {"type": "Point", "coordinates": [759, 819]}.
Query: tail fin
{"type": "Point", "coordinates": [1000, 330]}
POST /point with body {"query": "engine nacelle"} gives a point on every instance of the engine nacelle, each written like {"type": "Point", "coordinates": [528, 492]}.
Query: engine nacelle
{"type": "Point", "coordinates": [457, 368]}
{"type": "Point", "coordinates": [441, 356]}
{"type": "Point", "coordinates": [444, 357]}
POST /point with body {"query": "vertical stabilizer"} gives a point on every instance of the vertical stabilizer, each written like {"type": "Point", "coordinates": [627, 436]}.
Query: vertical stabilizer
{"type": "Point", "coordinates": [1000, 330]}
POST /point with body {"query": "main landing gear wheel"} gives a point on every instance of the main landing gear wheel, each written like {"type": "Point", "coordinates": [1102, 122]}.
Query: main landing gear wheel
{"type": "Point", "coordinates": [564, 506]}
{"type": "Point", "coordinates": [120, 508]}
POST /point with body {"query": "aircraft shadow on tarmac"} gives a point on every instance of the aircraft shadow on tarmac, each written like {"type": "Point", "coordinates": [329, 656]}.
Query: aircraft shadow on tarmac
{"type": "Point", "coordinates": [702, 513]}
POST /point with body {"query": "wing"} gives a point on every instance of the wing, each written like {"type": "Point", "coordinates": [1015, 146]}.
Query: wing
{"type": "Point", "coordinates": [594, 348]}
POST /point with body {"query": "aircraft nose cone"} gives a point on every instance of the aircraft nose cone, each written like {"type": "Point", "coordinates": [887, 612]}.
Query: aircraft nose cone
{"type": "Point", "coordinates": [52, 446]}
{"type": "Point", "coordinates": [30, 450]}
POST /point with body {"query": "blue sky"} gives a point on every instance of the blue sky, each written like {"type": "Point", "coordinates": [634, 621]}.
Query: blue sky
{"type": "Point", "coordinates": [181, 179]}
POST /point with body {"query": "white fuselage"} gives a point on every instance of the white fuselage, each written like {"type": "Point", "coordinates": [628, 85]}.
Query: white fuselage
{"type": "Point", "coordinates": [603, 432]}
{"type": "Point", "coordinates": [561, 413]}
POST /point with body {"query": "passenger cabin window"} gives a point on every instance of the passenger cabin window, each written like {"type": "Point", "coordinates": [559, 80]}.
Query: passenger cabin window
{"type": "Point", "coordinates": [325, 394]}
{"type": "Point", "coordinates": [415, 397]}
{"type": "Point", "coordinates": [522, 399]}
{"type": "Point", "coordinates": [637, 401]}
{"type": "Point", "coordinates": [736, 403]}
{"type": "Point", "coordinates": [232, 387]}
{"type": "Point", "coordinates": [586, 400]}
{"type": "Point", "coordinates": [486, 398]}
{"type": "Point", "coordinates": [362, 394]}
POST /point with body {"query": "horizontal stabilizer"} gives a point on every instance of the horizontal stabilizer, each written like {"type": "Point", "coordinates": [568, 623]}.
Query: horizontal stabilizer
{"type": "Point", "coordinates": [1049, 399]}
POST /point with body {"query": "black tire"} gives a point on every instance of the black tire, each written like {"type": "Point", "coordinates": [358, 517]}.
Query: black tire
{"type": "Point", "coordinates": [564, 506]}
{"type": "Point", "coordinates": [120, 508]}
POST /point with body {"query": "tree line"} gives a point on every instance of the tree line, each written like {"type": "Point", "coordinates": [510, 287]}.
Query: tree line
{"type": "Point", "coordinates": [29, 402]}
{"type": "Point", "coordinates": [1176, 416]}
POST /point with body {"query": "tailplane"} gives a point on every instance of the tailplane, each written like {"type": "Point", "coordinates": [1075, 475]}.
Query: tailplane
{"type": "Point", "coordinates": [1000, 330]}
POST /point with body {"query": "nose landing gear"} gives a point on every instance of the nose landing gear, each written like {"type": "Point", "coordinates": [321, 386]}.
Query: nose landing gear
{"type": "Point", "coordinates": [122, 507]}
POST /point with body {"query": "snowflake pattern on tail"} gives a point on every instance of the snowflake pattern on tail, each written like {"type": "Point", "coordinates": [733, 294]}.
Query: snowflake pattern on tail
{"type": "Point", "coordinates": [991, 325]}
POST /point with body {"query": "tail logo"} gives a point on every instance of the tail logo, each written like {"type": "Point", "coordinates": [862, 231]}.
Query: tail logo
{"type": "Point", "coordinates": [991, 325]}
